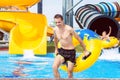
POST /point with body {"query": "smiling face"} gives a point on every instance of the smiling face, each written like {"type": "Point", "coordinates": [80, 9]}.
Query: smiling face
{"type": "Point", "coordinates": [59, 22]}
{"type": "Point", "coordinates": [58, 18]}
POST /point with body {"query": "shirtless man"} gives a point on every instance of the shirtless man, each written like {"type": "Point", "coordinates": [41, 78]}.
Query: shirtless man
{"type": "Point", "coordinates": [24, 62]}
{"type": "Point", "coordinates": [19, 72]}
{"type": "Point", "coordinates": [66, 54]}
{"type": "Point", "coordinates": [105, 36]}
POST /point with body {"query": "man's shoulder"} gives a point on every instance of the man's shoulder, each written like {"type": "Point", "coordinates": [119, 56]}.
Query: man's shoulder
{"type": "Point", "coordinates": [68, 27]}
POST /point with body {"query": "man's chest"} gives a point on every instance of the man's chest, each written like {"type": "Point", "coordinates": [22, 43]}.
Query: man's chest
{"type": "Point", "coordinates": [63, 35]}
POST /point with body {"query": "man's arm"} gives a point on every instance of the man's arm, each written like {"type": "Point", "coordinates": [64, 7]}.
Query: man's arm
{"type": "Point", "coordinates": [79, 39]}
{"type": "Point", "coordinates": [86, 53]}
{"type": "Point", "coordinates": [109, 31]}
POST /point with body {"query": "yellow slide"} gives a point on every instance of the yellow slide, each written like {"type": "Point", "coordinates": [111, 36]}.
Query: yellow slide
{"type": "Point", "coordinates": [50, 31]}
{"type": "Point", "coordinates": [27, 31]}
{"type": "Point", "coordinates": [22, 4]}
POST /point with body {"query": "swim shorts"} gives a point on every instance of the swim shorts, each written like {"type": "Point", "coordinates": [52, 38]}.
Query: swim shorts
{"type": "Point", "coordinates": [68, 55]}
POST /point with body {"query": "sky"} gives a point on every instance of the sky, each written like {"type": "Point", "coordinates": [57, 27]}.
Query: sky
{"type": "Point", "coordinates": [51, 7]}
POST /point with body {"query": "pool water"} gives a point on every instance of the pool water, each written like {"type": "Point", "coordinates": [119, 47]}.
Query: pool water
{"type": "Point", "coordinates": [41, 67]}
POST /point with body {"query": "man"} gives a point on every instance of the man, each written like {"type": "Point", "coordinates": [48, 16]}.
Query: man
{"type": "Point", "coordinates": [105, 36]}
{"type": "Point", "coordinates": [66, 54]}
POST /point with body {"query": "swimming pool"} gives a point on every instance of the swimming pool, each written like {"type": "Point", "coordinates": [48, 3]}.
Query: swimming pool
{"type": "Point", "coordinates": [41, 67]}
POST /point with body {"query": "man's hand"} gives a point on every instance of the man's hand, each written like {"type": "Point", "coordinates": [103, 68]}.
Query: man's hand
{"type": "Point", "coordinates": [86, 55]}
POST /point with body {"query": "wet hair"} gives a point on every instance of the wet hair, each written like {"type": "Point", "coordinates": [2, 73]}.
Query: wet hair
{"type": "Point", "coordinates": [58, 16]}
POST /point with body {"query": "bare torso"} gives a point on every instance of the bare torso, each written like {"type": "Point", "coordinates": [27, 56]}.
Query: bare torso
{"type": "Point", "coordinates": [105, 37]}
{"type": "Point", "coordinates": [65, 37]}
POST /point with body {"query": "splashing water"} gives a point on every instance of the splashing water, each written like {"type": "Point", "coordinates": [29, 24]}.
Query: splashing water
{"type": "Point", "coordinates": [110, 54]}
{"type": "Point", "coordinates": [28, 54]}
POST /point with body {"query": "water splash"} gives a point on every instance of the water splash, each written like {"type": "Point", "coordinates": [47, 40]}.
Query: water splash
{"type": "Point", "coordinates": [110, 54]}
{"type": "Point", "coordinates": [28, 54]}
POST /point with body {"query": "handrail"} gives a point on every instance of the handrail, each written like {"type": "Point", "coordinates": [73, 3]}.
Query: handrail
{"type": "Point", "coordinates": [73, 7]}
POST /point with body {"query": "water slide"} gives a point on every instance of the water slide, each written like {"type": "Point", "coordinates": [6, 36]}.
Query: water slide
{"type": "Point", "coordinates": [50, 31]}
{"type": "Point", "coordinates": [22, 4]}
{"type": "Point", "coordinates": [99, 17]}
{"type": "Point", "coordinates": [28, 31]}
